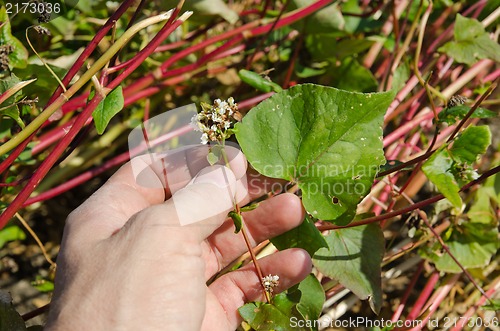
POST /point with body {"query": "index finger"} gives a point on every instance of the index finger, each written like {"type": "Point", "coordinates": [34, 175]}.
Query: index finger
{"type": "Point", "coordinates": [128, 192]}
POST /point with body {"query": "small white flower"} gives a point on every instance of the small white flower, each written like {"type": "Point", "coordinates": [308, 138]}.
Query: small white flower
{"type": "Point", "coordinates": [204, 138]}
{"type": "Point", "coordinates": [195, 124]}
{"type": "Point", "coordinates": [269, 282]}
{"type": "Point", "coordinates": [214, 120]}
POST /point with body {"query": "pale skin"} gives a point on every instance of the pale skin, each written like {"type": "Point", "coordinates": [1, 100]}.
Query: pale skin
{"type": "Point", "coordinates": [126, 263]}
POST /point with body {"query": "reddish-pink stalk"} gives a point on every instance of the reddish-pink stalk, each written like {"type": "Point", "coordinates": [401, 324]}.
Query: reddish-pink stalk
{"type": "Point", "coordinates": [403, 129]}
{"type": "Point", "coordinates": [229, 52]}
{"type": "Point", "coordinates": [168, 47]}
{"type": "Point", "coordinates": [241, 33]}
{"type": "Point", "coordinates": [492, 77]}
{"type": "Point", "coordinates": [436, 300]}
{"type": "Point", "coordinates": [80, 179]}
{"type": "Point", "coordinates": [424, 295]}
{"type": "Point", "coordinates": [253, 101]}
{"type": "Point", "coordinates": [14, 154]}
{"type": "Point", "coordinates": [91, 47]}
{"type": "Point", "coordinates": [465, 318]}
{"type": "Point", "coordinates": [406, 295]}
{"type": "Point", "coordinates": [413, 81]}
{"type": "Point", "coordinates": [47, 164]}
{"type": "Point", "coordinates": [60, 131]}
{"type": "Point", "coordinates": [144, 82]}
{"type": "Point", "coordinates": [53, 157]}
{"type": "Point", "coordinates": [71, 73]}
{"type": "Point", "coordinates": [54, 136]}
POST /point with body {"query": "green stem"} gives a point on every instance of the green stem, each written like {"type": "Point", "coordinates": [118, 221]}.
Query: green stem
{"type": "Point", "coordinates": [64, 97]}
{"type": "Point", "coordinates": [244, 232]}
{"type": "Point", "coordinates": [421, 32]}
{"type": "Point", "coordinates": [43, 61]}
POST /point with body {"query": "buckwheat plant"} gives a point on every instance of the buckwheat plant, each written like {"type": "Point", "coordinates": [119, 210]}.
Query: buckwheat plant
{"type": "Point", "coordinates": [215, 122]}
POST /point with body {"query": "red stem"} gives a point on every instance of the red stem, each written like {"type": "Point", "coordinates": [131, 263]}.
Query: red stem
{"type": "Point", "coordinates": [90, 47]}
{"type": "Point", "coordinates": [436, 300]}
{"type": "Point", "coordinates": [464, 319]}
{"type": "Point", "coordinates": [406, 295]}
{"type": "Point", "coordinates": [424, 295]}
{"type": "Point", "coordinates": [71, 73]}
{"type": "Point", "coordinates": [47, 164]}
{"type": "Point", "coordinates": [58, 150]}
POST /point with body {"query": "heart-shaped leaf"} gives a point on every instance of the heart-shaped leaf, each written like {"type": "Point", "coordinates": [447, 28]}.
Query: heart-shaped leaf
{"type": "Point", "coordinates": [353, 258]}
{"type": "Point", "coordinates": [327, 140]}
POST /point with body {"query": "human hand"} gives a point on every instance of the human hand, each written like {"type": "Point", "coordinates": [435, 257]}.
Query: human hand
{"type": "Point", "coordinates": [127, 264]}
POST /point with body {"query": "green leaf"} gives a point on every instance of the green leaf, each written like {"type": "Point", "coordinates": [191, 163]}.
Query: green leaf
{"type": "Point", "coordinates": [493, 305]}
{"type": "Point", "coordinates": [10, 320]}
{"type": "Point", "coordinates": [298, 309]}
{"type": "Point", "coordinates": [19, 56]}
{"type": "Point", "coordinates": [312, 298]}
{"type": "Point", "coordinates": [471, 143]}
{"type": "Point", "coordinates": [325, 46]}
{"type": "Point", "coordinates": [305, 236]}
{"type": "Point", "coordinates": [8, 107]}
{"type": "Point", "coordinates": [439, 169]}
{"type": "Point", "coordinates": [43, 285]}
{"type": "Point", "coordinates": [258, 81]}
{"type": "Point", "coordinates": [353, 258]}
{"type": "Point", "coordinates": [401, 76]}
{"type": "Point", "coordinates": [108, 108]}
{"type": "Point", "coordinates": [265, 317]}
{"type": "Point", "coordinates": [455, 114]}
{"type": "Point", "coordinates": [350, 75]}
{"type": "Point", "coordinates": [212, 158]}
{"type": "Point", "coordinates": [11, 233]}
{"type": "Point", "coordinates": [322, 21]}
{"type": "Point", "coordinates": [471, 42]}
{"type": "Point", "coordinates": [45, 85]}
{"type": "Point", "coordinates": [472, 244]}
{"type": "Point", "coordinates": [450, 168]}
{"type": "Point", "coordinates": [326, 140]}
{"type": "Point", "coordinates": [236, 220]}
{"type": "Point", "coordinates": [486, 200]}
{"type": "Point", "coordinates": [306, 72]}
{"type": "Point", "coordinates": [249, 207]}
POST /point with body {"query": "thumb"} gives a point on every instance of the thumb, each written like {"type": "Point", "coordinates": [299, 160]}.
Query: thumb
{"type": "Point", "coordinates": [206, 200]}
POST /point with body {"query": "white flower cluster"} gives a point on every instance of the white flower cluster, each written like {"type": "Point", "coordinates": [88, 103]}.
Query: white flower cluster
{"type": "Point", "coordinates": [269, 282]}
{"type": "Point", "coordinates": [214, 120]}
